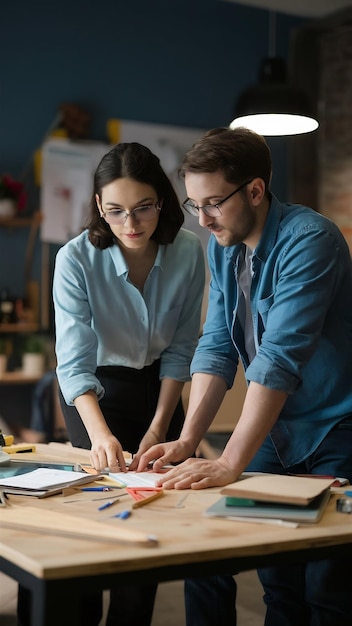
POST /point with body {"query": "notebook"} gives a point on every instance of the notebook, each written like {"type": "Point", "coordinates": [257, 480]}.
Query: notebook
{"type": "Point", "coordinates": [42, 481]}
{"type": "Point", "coordinates": [278, 488]}
{"type": "Point", "coordinates": [231, 507]}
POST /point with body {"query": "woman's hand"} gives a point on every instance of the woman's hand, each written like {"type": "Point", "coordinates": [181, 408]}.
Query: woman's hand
{"type": "Point", "coordinates": [198, 474]}
{"type": "Point", "coordinates": [106, 451]}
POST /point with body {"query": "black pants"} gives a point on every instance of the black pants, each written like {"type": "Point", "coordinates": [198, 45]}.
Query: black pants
{"type": "Point", "coordinates": [128, 406]}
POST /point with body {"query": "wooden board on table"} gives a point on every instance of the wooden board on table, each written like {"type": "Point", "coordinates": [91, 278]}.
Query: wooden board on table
{"type": "Point", "coordinates": [55, 523]}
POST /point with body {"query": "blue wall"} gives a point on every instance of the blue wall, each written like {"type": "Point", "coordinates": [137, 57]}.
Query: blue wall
{"type": "Point", "coordinates": [179, 62]}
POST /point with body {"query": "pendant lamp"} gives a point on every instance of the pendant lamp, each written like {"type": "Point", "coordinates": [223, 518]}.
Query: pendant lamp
{"type": "Point", "coordinates": [274, 107]}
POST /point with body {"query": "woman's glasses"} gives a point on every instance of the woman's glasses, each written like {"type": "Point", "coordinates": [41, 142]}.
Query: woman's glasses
{"type": "Point", "coordinates": [140, 214]}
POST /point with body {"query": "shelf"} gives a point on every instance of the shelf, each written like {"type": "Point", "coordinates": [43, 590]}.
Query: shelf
{"type": "Point", "coordinates": [14, 330]}
{"type": "Point", "coordinates": [16, 378]}
{"type": "Point", "coordinates": [21, 222]}
{"type": "Point", "coordinates": [19, 327]}
{"type": "Point", "coordinates": [32, 223]}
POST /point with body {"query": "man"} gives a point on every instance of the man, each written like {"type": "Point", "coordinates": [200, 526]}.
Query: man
{"type": "Point", "coordinates": [280, 298]}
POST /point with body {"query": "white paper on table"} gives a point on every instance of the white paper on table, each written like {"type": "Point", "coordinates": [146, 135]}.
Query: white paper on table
{"type": "Point", "coordinates": [43, 478]}
{"type": "Point", "coordinates": [136, 479]}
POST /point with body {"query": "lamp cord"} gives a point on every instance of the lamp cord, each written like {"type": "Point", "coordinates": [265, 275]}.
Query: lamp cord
{"type": "Point", "coordinates": [272, 34]}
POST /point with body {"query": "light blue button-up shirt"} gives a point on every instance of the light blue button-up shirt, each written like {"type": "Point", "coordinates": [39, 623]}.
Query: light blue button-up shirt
{"type": "Point", "coordinates": [301, 303]}
{"type": "Point", "coordinates": [101, 318]}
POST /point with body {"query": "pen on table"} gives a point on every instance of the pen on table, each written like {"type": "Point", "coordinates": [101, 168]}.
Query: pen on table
{"type": "Point", "coordinates": [123, 514]}
{"type": "Point", "coordinates": [264, 520]}
{"type": "Point", "coordinates": [179, 504]}
{"type": "Point", "coordinates": [107, 504]}
{"type": "Point", "coordinates": [120, 495]}
{"type": "Point", "coordinates": [116, 498]}
{"type": "Point", "coordinates": [99, 488]}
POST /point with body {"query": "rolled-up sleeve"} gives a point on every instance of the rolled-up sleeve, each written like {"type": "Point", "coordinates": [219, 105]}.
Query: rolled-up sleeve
{"type": "Point", "coordinates": [76, 341]}
{"type": "Point", "coordinates": [306, 274]}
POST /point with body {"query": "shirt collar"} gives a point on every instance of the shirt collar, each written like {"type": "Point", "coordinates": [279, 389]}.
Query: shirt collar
{"type": "Point", "coordinates": [120, 262]}
{"type": "Point", "coordinates": [271, 227]}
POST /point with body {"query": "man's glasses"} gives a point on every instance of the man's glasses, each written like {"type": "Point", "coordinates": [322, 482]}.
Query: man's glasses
{"type": "Point", "coordinates": [140, 214]}
{"type": "Point", "coordinates": [212, 210]}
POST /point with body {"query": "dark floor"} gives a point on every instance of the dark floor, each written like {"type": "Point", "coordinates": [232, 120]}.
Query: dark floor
{"type": "Point", "coordinates": [169, 606]}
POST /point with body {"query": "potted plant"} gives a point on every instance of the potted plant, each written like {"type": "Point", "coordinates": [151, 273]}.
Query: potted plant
{"type": "Point", "coordinates": [12, 196]}
{"type": "Point", "coordinates": [33, 358]}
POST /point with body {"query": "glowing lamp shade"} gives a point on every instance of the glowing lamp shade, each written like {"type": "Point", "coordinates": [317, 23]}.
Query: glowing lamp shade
{"type": "Point", "coordinates": [274, 107]}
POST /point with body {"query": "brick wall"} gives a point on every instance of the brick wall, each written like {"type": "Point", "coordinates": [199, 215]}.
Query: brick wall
{"type": "Point", "coordinates": [321, 162]}
{"type": "Point", "coordinates": [335, 137]}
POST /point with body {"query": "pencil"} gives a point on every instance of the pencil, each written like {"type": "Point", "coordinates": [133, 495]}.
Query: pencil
{"type": "Point", "coordinates": [263, 520]}
{"type": "Point", "coordinates": [148, 499]}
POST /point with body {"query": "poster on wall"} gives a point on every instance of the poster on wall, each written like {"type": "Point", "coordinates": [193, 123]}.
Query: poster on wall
{"type": "Point", "coordinates": [68, 167]}
{"type": "Point", "coordinates": [67, 171]}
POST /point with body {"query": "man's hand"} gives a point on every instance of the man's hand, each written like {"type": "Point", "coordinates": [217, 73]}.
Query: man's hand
{"type": "Point", "coordinates": [150, 439]}
{"type": "Point", "coordinates": [161, 454]}
{"type": "Point", "coordinates": [198, 474]}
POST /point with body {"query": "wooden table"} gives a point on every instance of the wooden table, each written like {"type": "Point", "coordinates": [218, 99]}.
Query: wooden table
{"type": "Point", "coordinates": [56, 569]}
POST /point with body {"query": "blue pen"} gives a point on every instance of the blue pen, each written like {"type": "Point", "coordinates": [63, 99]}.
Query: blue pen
{"type": "Point", "coordinates": [106, 505]}
{"type": "Point", "coordinates": [123, 514]}
{"type": "Point", "coordinates": [348, 493]}
{"type": "Point", "coordinates": [96, 489]}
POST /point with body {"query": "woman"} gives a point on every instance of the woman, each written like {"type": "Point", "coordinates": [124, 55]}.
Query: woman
{"type": "Point", "coordinates": [127, 296]}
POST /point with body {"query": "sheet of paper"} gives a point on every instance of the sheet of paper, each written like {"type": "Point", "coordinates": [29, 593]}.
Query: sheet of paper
{"type": "Point", "coordinates": [136, 479]}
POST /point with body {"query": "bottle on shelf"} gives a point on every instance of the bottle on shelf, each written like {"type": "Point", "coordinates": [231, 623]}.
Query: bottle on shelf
{"type": "Point", "coordinates": [7, 307]}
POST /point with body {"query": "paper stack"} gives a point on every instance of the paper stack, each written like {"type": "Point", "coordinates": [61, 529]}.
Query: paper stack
{"type": "Point", "coordinates": [42, 482]}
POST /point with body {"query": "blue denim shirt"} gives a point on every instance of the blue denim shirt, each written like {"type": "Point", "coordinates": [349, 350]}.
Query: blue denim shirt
{"type": "Point", "coordinates": [301, 302]}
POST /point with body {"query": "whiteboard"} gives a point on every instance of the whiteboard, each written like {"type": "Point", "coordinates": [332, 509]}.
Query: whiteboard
{"type": "Point", "coordinates": [67, 184]}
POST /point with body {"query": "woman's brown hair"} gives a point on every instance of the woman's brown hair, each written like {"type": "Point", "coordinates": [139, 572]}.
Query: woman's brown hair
{"type": "Point", "coordinates": [132, 160]}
